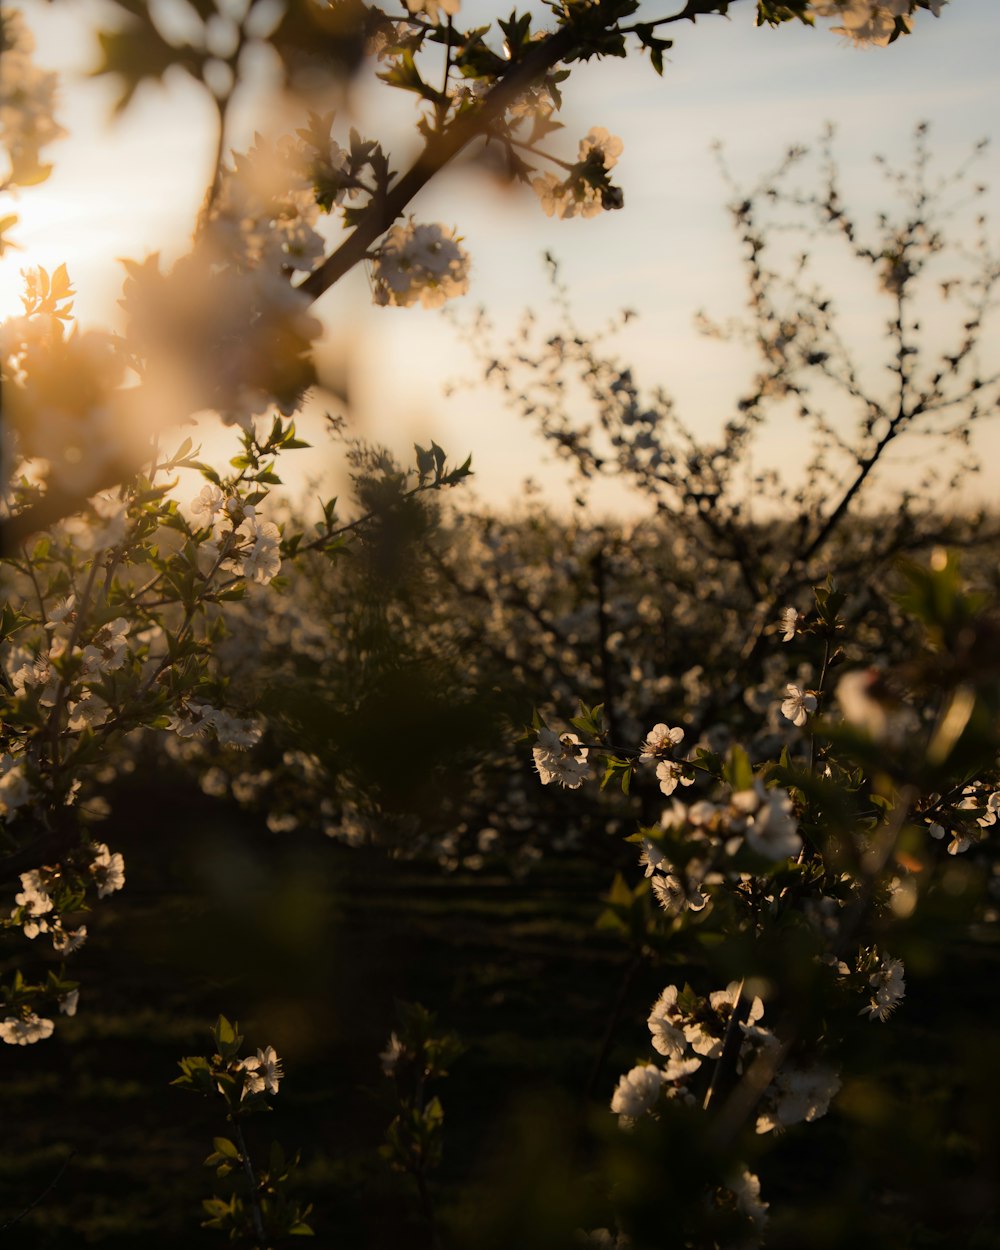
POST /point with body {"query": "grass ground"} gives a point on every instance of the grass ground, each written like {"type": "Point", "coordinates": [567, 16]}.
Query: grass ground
{"type": "Point", "coordinates": [309, 944]}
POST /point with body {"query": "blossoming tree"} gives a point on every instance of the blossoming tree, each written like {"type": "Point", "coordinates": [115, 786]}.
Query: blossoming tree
{"type": "Point", "coordinates": [120, 596]}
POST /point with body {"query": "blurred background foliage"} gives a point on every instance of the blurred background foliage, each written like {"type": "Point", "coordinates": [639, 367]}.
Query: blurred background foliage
{"type": "Point", "coordinates": [440, 871]}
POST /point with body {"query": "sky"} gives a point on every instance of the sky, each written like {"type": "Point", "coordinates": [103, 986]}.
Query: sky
{"type": "Point", "coordinates": [134, 186]}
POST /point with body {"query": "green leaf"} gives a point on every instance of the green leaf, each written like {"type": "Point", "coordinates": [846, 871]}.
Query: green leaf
{"type": "Point", "coordinates": [405, 75]}
{"type": "Point", "coordinates": [227, 1037]}
{"type": "Point", "coordinates": [738, 770]}
{"type": "Point", "coordinates": [137, 52]}
{"type": "Point", "coordinates": [225, 1147]}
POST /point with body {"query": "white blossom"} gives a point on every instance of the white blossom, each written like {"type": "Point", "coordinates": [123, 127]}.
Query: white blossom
{"type": "Point", "coordinates": [419, 264]}
{"type": "Point", "coordinates": [571, 197]}
{"type": "Point", "coordinates": [888, 989]}
{"type": "Point", "coordinates": [68, 1002]}
{"type": "Point", "coordinates": [560, 758]}
{"type": "Point", "coordinates": [196, 722]}
{"type": "Point", "coordinates": [88, 712]}
{"type": "Point", "coordinates": [25, 1030]}
{"type": "Point", "coordinates": [869, 22]}
{"type": "Point", "coordinates": [14, 788]}
{"type": "Point", "coordinates": [37, 673]}
{"type": "Point", "coordinates": [670, 774]}
{"type": "Point", "coordinates": [536, 101]}
{"type": "Point", "coordinates": [798, 705]}
{"type": "Point", "coordinates": [263, 561]}
{"type": "Point", "coordinates": [652, 856]}
{"type": "Point", "coordinates": [664, 1024]}
{"type": "Point", "coordinates": [636, 1093]}
{"type": "Point", "coordinates": [677, 1070]}
{"type": "Point", "coordinates": [602, 144]}
{"type": "Point", "coordinates": [108, 870]}
{"type": "Point", "coordinates": [207, 502]}
{"type": "Point", "coordinates": [64, 610]}
{"type": "Point", "coordinates": [766, 819]}
{"type": "Point", "coordinates": [676, 894]}
{"type": "Point", "coordinates": [262, 1072]}
{"type": "Point", "coordinates": [992, 812]}
{"type": "Point", "coordinates": [708, 1042]}
{"type": "Point", "coordinates": [659, 740]}
{"type": "Point", "coordinates": [66, 941]}
{"type": "Point", "coordinates": [33, 895]}
{"type": "Point", "coordinates": [108, 649]}
{"type": "Point", "coordinates": [746, 1189]}
{"type": "Point", "coordinates": [797, 1094]}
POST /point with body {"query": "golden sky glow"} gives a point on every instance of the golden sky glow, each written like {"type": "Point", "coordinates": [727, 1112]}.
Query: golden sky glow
{"type": "Point", "coordinates": [135, 187]}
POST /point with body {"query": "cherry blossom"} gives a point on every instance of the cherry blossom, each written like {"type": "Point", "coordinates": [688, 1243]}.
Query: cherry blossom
{"type": "Point", "coordinates": [560, 758]}
{"type": "Point", "coordinates": [419, 264]}
{"type": "Point", "coordinates": [798, 705]}
{"type": "Point", "coordinates": [660, 739]}
{"type": "Point", "coordinates": [888, 989]}
{"type": "Point", "coordinates": [636, 1093]}
{"type": "Point", "coordinates": [25, 1030]}
{"type": "Point", "coordinates": [788, 624]}
{"type": "Point", "coordinates": [108, 870]}
{"type": "Point", "coordinates": [262, 1072]}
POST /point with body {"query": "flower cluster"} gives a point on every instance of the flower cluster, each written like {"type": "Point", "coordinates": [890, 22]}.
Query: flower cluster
{"type": "Point", "coordinates": [887, 986]}
{"type": "Point", "coordinates": [34, 902]}
{"type": "Point", "coordinates": [197, 720]}
{"type": "Point", "coordinates": [419, 263]}
{"type": "Point", "coordinates": [560, 758]}
{"type": "Point", "coordinates": [969, 819]}
{"type": "Point", "coordinates": [242, 1082]}
{"type": "Point", "coordinates": [586, 190]}
{"type": "Point", "coordinates": [45, 895]}
{"type": "Point", "coordinates": [36, 910]}
{"type": "Point", "coordinates": [688, 1030]}
{"type": "Point", "coordinates": [25, 1030]}
{"type": "Point", "coordinates": [871, 22]}
{"type": "Point", "coordinates": [265, 212]}
{"type": "Point", "coordinates": [669, 773]}
{"type": "Point", "coordinates": [681, 871]}
{"type": "Point", "coordinates": [700, 846]}
{"type": "Point", "coordinates": [243, 543]}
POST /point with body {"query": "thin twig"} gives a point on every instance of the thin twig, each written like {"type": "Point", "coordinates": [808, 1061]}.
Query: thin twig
{"type": "Point", "coordinates": [609, 1032]}
{"type": "Point", "coordinates": [16, 1219]}
{"type": "Point", "coordinates": [255, 1211]}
